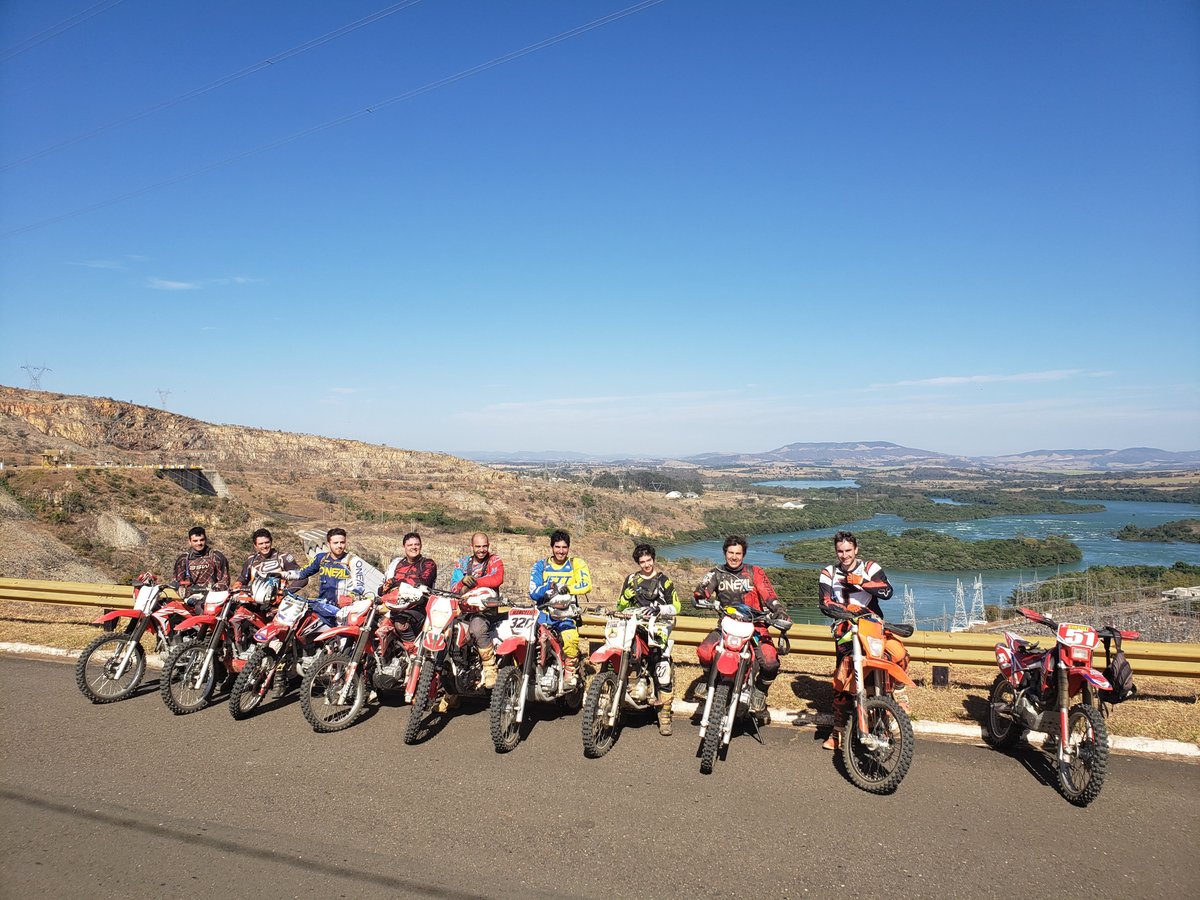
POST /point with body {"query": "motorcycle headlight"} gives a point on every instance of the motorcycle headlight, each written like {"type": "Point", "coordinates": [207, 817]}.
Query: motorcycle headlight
{"type": "Point", "coordinates": [875, 646]}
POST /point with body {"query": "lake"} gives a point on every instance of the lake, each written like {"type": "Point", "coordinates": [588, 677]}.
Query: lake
{"type": "Point", "coordinates": [934, 591]}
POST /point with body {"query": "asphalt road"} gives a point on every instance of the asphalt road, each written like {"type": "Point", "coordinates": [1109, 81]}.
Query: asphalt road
{"type": "Point", "coordinates": [129, 800]}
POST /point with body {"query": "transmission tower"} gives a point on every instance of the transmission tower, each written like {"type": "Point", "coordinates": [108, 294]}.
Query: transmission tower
{"type": "Point", "coordinates": [910, 608]}
{"type": "Point", "coordinates": [978, 616]}
{"type": "Point", "coordinates": [960, 609]}
{"type": "Point", "coordinates": [35, 374]}
{"type": "Point", "coordinates": [163, 394]}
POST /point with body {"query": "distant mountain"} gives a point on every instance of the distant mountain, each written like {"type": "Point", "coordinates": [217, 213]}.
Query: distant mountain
{"type": "Point", "coordinates": [829, 453]}
{"type": "Point", "coordinates": [1131, 458]}
{"type": "Point", "coordinates": [529, 457]}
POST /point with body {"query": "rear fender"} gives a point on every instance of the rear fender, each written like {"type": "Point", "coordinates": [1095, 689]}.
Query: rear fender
{"type": "Point", "coordinates": [890, 668]}
{"type": "Point", "coordinates": [348, 631]}
{"type": "Point", "coordinates": [201, 621]}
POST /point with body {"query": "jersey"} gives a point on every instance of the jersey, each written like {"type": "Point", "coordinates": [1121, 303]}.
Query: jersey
{"type": "Point", "coordinates": [639, 590]}
{"type": "Point", "coordinates": [573, 573]}
{"type": "Point", "coordinates": [209, 569]}
{"type": "Point", "coordinates": [339, 577]}
{"type": "Point", "coordinates": [488, 573]}
{"type": "Point", "coordinates": [836, 591]}
{"type": "Point", "coordinates": [745, 584]}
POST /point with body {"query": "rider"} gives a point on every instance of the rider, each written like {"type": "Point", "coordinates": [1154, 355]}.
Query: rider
{"type": "Point", "coordinates": [263, 551]}
{"type": "Point", "coordinates": [735, 582]}
{"type": "Point", "coordinates": [855, 584]}
{"type": "Point", "coordinates": [414, 569]}
{"type": "Point", "coordinates": [200, 566]}
{"type": "Point", "coordinates": [649, 587]}
{"type": "Point", "coordinates": [343, 575]}
{"type": "Point", "coordinates": [481, 569]}
{"type": "Point", "coordinates": [561, 573]}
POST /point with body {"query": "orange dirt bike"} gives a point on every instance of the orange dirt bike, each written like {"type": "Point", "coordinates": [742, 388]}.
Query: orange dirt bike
{"type": "Point", "coordinates": [877, 743]}
{"type": "Point", "coordinates": [1034, 691]}
{"type": "Point", "coordinates": [113, 665]}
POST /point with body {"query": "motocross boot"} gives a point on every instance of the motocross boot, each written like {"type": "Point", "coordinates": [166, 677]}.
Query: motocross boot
{"type": "Point", "coordinates": [664, 712]}
{"type": "Point", "coordinates": [447, 703]}
{"type": "Point", "coordinates": [570, 672]}
{"type": "Point", "coordinates": [488, 656]}
{"type": "Point", "coordinates": [900, 695]}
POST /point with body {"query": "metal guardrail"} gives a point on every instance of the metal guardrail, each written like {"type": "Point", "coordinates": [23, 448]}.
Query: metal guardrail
{"type": "Point", "coordinates": [940, 647]}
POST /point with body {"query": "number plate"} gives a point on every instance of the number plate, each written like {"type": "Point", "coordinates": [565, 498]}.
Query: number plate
{"type": "Point", "coordinates": [289, 611]}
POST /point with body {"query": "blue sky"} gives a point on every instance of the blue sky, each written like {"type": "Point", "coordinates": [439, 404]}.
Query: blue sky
{"type": "Point", "coordinates": [701, 226]}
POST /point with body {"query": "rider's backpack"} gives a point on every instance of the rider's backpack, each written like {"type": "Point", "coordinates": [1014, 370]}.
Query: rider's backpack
{"type": "Point", "coordinates": [1119, 675]}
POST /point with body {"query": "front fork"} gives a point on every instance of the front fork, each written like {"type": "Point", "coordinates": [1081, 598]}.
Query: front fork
{"type": "Point", "coordinates": [526, 676]}
{"type": "Point", "coordinates": [135, 638]}
{"type": "Point", "coordinates": [1060, 677]}
{"type": "Point", "coordinates": [618, 697]}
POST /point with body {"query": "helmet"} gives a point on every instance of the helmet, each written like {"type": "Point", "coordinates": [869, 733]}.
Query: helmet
{"type": "Point", "coordinates": [263, 590]}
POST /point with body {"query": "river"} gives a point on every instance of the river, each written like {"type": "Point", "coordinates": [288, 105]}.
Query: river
{"type": "Point", "coordinates": [934, 592]}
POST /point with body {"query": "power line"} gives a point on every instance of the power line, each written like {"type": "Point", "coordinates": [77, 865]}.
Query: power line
{"type": "Point", "coordinates": [219, 83]}
{"type": "Point", "coordinates": [341, 120]}
{"type": "Point", "coordinates": [54, 30]}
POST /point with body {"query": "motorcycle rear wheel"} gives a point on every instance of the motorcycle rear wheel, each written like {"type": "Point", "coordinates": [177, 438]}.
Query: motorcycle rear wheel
{"type": "Point", "coordinates": [420, 702]}
{"type": "Point", "coordinates": [179, 690]}
{"type": "Point", "coordinates": [711, 745]}
{"type": "Point", "coordinates": [879, 771]}
{"type": "Point", "coordinates": [96, 669]}
{"type": "Point", "coordinates": [321, 690]}
{"type": "Point", "coordinates": [1081, 776]}
{"type": "Point", "coordinates": [1001, 729]}
{"type": "Point", "coordinates": [245, 696]}
{"type": "Point", "coordinates": [598, 737]}
{"type": "Point", "coordinates": [506, 697]}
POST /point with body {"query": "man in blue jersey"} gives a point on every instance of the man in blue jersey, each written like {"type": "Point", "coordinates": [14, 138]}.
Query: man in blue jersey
{"type": "Point", "coordinates": [343, 574]}
{"type": "Point", "coordinates": [561, 574]}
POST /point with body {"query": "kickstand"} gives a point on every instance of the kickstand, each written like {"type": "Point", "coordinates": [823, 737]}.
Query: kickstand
{"type": "Point", "coordinates": [757, 734]}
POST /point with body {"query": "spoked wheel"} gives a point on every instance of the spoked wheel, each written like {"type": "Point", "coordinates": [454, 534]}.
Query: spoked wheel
{"type": "Point", "coordinates": [329, 697]}
{"type": "Point", "coordinates": [110, 668]}
{"type": "Point", "coordinates": [598, 737]}
{"type": "Point", "coordinates": [1001, 728]}
{"type": "Point", "coordinates": [711, 745]}
{"type": "Point", "coordinates": [421, 701]}
{"type": "Point", "coordinates": [878, 760]}
{"type": "Point", "coordinates": [183, 689]}
{"type": "Point", "coordinates": [506, 697]}
{"type": "Point", "coordinates": [1081, 774]}
{"type": "Point", "coordinates": [247, 692]}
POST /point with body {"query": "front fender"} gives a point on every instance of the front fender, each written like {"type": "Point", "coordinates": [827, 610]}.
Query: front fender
{"type": "Point", "coordinates": [727, 663]}
{"type": "Point", "coordinates": [511, 645]}
{"type": "Point", "coordinates": [1074, 676]}
{"type": "Point", "coordinates": [350, 631]}
{"type": "Point", "coordinates": [604, 654]}
{"type": "Point", "coordinates": [890, 667]}
{"type": "Point", "coordinates": [270, 632]}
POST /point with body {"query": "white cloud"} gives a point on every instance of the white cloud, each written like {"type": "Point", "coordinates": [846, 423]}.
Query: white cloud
{"type": "Point", "coordinates": [100, 264]}
{"type": "Point", "coordinates": [343, 390]}
{"type": "Point", "coordinates": [953, 380]}
{"type": "Point", "coordinates": [162, 284]}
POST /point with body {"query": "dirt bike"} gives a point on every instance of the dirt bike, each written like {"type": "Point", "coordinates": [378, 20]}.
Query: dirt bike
{"type": "Point", "coordinates": [222, 643]}
{"type": "Point", "coordinates": [624, 679]}
{"type": "Point", "coordinates": [1034, 691]}
{"type": "Point", "coordinates": [447, 660]}
{"type": "Point", "coordinates": [334, 692]}
{"type": "Point", "coordinates": [877, 743]}
{"type": "Point", "coordinates": [729, 691]}
{"type": "Point", "coordinates": [113, 665]}
{"type": "Point", "coordinates": [532, 666]}
{"type": "Point", "coordinates": [287, 646]}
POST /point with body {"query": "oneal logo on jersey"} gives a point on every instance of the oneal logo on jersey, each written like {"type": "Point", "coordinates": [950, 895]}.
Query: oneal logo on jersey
{"type": "Point", "coordinates": [734, 584]}
{"type": "Point", "coordinates": [335, 571]}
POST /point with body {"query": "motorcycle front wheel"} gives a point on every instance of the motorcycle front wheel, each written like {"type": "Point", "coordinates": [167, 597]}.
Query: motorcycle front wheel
{"type": "Point", "coordinates": [598, 737]}
{"type": "Point", "coordinates": [1081, 774]}
{"type": "Point", "coordinates": [180, 692]}
{"type": "Point", "coordinates": [878, 760]}
{"type": "Point", "coordinates": [711, 745]}
{"type": "Point", "coordinates": [506, 697]}
{"type": "Point", "coordinates": [110, 668]}
{"type": "Point", "coordinates": [420, 702]}
{"type": "Point", "coordinates": [329, 701]}
{"type": "Point", "coordinates": [247, 692]}
{"type": "Point", "coordinates": [1001, 728]}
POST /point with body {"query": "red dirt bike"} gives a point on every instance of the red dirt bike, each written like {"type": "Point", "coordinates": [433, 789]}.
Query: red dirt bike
{"type": "Point", "coordinates": [1034, 691]}
{"type": "Point", "coordinates": [877, 744]}
{"type": "Point", "coordinates": [287, 645]}
{"type": "Point", "coordinates": [532, 666]}
{"type": "Point", "coordinates": [447, 661]}
{"type": "Point", "coordinates": [624, 680]}
{"type": "Point", "coordinates": [730, 687]}
{"type": "Point", "coordinates": [334, 692]}
{"type": "Point", "coordinates": [223, 641]}
{"type": "Point", "coordinates": [113, 665]}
